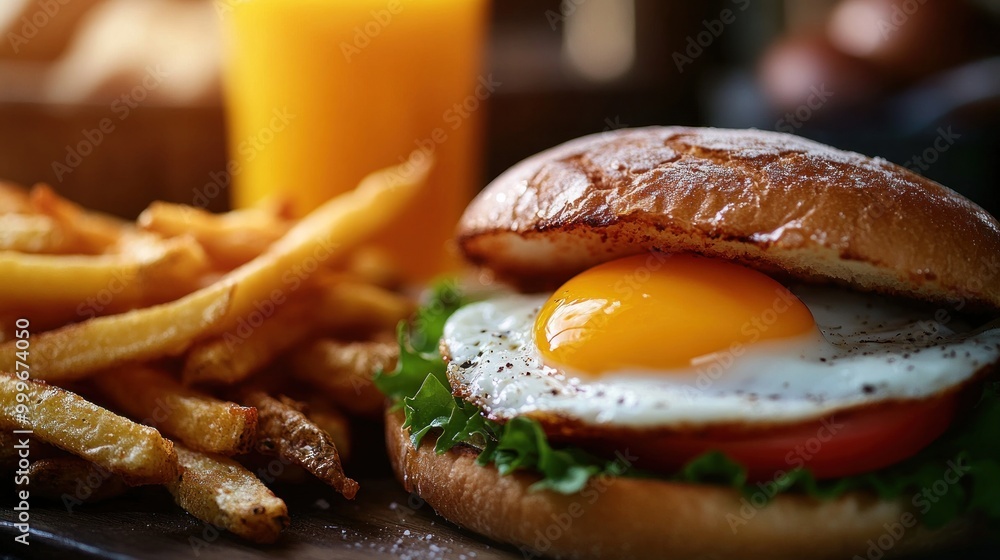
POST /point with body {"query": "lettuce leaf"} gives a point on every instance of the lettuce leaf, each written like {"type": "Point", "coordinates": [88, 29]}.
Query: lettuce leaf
{"type": "Point", "coordinates": [956, 475]}
{"type": "Point", "coordinates": [517, 445]}
{"type": "Point", "coordinates": [418, 353]}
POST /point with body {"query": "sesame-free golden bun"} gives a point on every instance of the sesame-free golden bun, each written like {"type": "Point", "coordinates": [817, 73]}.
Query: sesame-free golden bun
{"type": "Point", "coordinates": [776, 202]}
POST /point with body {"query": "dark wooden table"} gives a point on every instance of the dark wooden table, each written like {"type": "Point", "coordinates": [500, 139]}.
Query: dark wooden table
{"type": "Point", "coordinates": [383, 522]}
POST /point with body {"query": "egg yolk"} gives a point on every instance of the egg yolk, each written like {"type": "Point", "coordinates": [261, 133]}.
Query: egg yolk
{"type": "Point", "coordinates": [653, 312]}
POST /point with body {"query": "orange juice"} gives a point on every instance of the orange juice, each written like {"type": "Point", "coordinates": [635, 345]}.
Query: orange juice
{"type": "Point", "coordinates": [322, 92]}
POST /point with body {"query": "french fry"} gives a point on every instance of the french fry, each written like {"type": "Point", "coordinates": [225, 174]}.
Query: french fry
{"type": "Point", "coordinates": [344, 370]}
{"type": "Point", "coordinates": [329, 231]}
{"type": "Point", "coordinates": [284, 430]}
{"type": "Point", "coordinates": [180, 258]}
{"type": "Point", "coordinates": [93, 231]}
{"type": "Point", "coordinates": [78, 350]}
{"type": "Point", "coordinates": [339, 305]}
{"type": "Point", "coordinates": [73, 480]}
{"type": "Point", "coordinates": [154, 274]}
{"type": "Point", "coordinates": [201, 422]}
{"type": "Point", "coordinates": [375, 266]}
{"type": "Point", "coordinates": [42, 279]}
{"type": "Point", "coordinates": [359, 306]}
{"type": "Point", "coordinates": [136, 453]}
{"type": "Point", "coordinates": [222, 492]}
{"type": "Point", "coordinates": [230, 239]}
{"type": "Point", "coordinates": [238, 354]}
{"type": "Point", "coordinates": [327, 418]}
{"type": "Point", "coordinates": [31, 233]}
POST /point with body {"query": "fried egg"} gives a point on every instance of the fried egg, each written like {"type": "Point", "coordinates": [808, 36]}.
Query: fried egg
{"type": "Point", "coordinates": [659, 341]}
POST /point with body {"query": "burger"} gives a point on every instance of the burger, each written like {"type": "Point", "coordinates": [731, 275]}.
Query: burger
{"type": "Point", "coordinates": [715, 343]}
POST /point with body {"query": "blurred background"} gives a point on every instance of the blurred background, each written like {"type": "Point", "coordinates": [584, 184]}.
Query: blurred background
{"type": "Point", "coordinates": [117, 102]}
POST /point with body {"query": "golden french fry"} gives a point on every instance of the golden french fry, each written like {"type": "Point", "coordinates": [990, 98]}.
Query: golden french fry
{"type": "Point", "coordinates": [345, 305]}
{"type": "Point", "coordinates": [284, 430]}
{"type": "Point", "coordinates": [237, 354]}
{"type": "Point", "coordinates": [361, 306]}
{"type": "Point", "coordinates": [78, 350]}
{"type": "Point", "coordinates": [329, 231]}
{"type": "Point", "coordinates": [201, 422]}
{"type": "Point", "coordinates": [344, 370]}
{"type": "Point", "coordinates": [31, 233]}
{"type": "Point", "coordinates": [222, 492]}
{"type": "Point", "coordinates": [171, 267]}
{"type": "Point", "coordinates": [73, 481]}
{"type": "Point", "coordinates": [375, 266]}
{"type": "Point", "coordinates": [136, 453]}
{"type": "Point", "coordinates": [178, 273]}
{"type": "Point", "coordinates": [230, 239]}
{"type": "Point", "coordinates": [64, 281]}
{"type": "Point", "coordinates": [94, 232]}
{"type": "Point", "coordinates": [158, 272]}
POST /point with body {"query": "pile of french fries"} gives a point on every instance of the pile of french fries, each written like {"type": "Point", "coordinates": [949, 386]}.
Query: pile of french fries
{"type": "Point", "coordinates": [188, 348]}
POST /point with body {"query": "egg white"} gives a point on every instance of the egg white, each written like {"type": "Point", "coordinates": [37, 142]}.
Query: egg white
{"type": "Point", "coordinates": [870, 349]}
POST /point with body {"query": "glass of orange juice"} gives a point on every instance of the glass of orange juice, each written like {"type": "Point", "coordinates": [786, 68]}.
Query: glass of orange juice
{"type": "Point", "coordinates": [320, 93]}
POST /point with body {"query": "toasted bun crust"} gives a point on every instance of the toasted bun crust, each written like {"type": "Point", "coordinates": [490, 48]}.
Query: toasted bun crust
{"type": "Point", "coordinates": [643, 518]}
{"type": "Point", "coordinates": [773, 201]}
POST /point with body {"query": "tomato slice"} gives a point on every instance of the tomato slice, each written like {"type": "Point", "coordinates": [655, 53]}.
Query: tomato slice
{"type": "Point", "coordinates": [835, 446]}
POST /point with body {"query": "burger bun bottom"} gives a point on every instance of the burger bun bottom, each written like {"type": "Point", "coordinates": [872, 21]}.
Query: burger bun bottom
{"type": "Point", "coordinates": [646, 518]}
